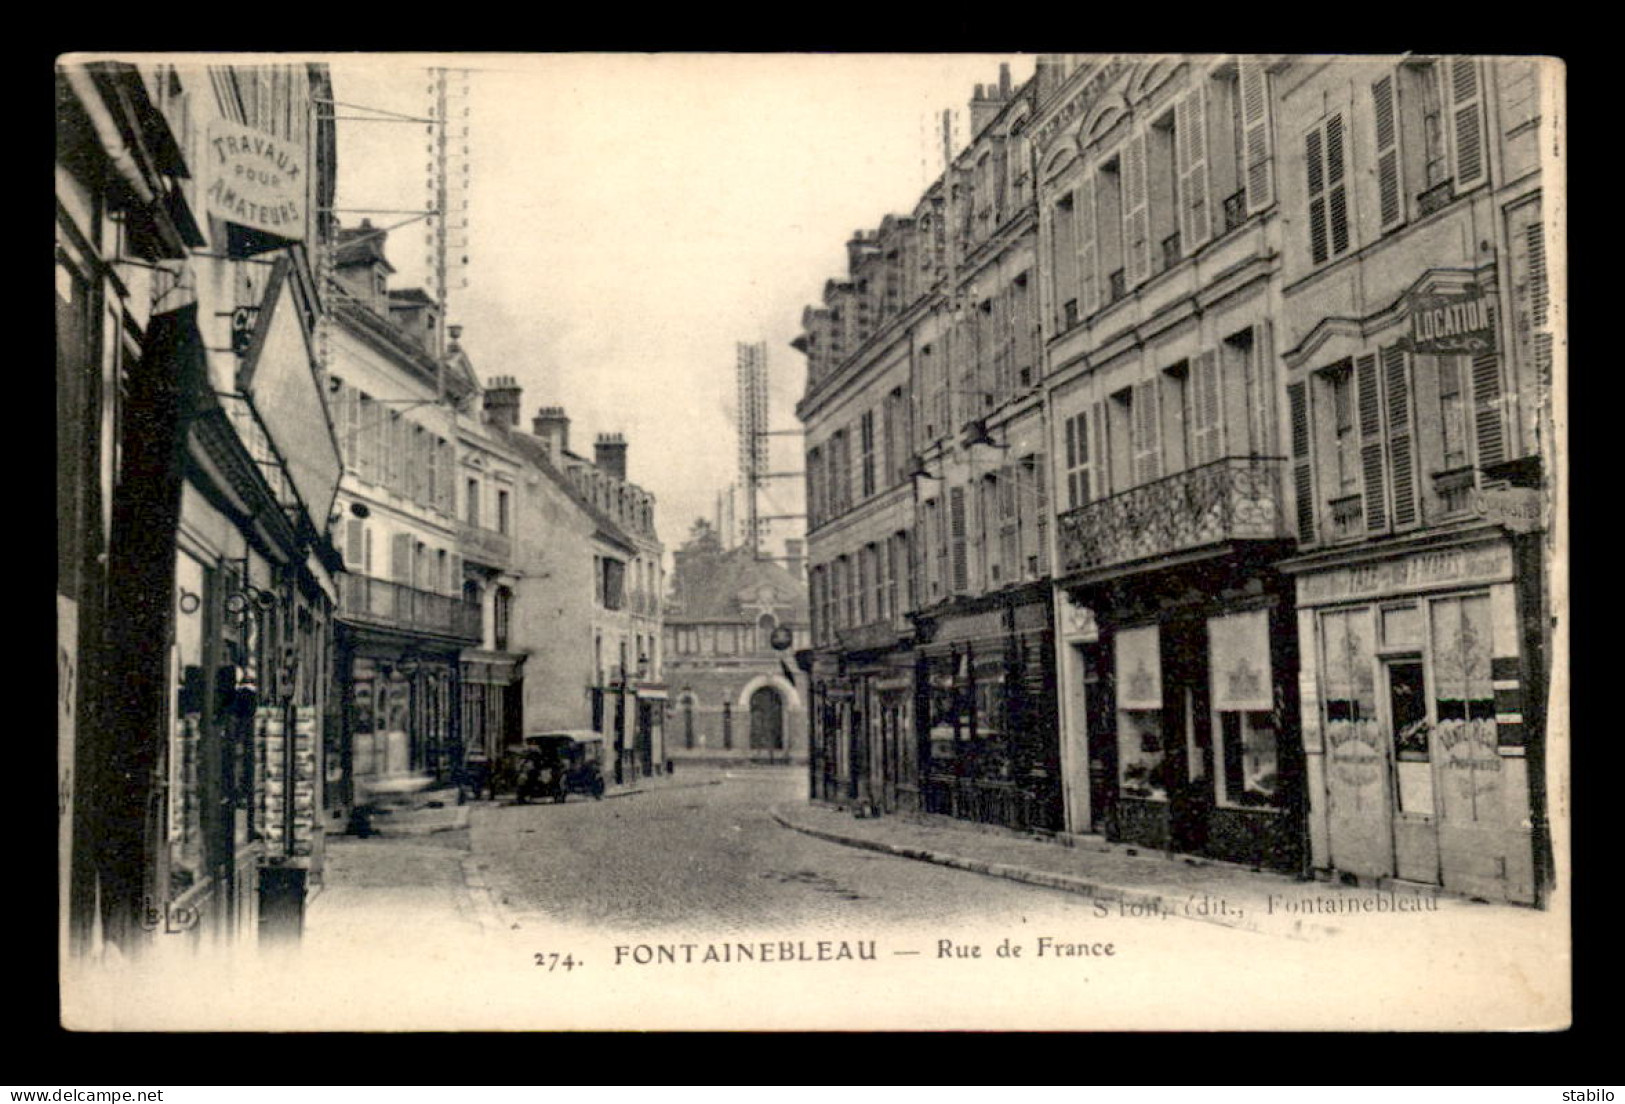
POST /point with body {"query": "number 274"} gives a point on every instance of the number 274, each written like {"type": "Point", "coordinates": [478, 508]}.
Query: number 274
{"type": "Point", "coordinates": [555, 962]}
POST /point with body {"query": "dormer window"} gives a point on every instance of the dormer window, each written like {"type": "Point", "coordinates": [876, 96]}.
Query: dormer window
{"type": "Point", "coordinates": [378, 282]}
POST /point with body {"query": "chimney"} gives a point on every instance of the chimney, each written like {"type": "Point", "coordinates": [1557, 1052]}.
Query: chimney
{"type": "Point", "coordinates": [609, 454]}
{"type": "Point", "coordinates": [1004, 80]}
{"type": "Point", "coordinates": [502, 402]}
{"type": "Point", "coordinates": [552, 426]}
{"type": "Point", "coordinates": [985, 104]}
{"type": "Point", "coordinates": [794, 558]}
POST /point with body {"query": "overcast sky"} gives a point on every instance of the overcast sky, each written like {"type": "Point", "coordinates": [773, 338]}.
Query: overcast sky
{"type": "Point", "coordinates": [634, 216]}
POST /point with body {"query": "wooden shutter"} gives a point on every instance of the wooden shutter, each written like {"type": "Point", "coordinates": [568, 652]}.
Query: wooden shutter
{"type": "Point", "coordinates": [1206, 420]}
{"type": "Point", "coordinates": [1077, 460]}
{"type": "Point", "coordinates": [1466, 122]}
{"type": "Point", "coordinates": [1488, 422]}
{"type": "Point", "coordinates": [1255, 136]}
{"type": "Point", "coordinates": [956, 520]}
{"type": "Point", "coordinates": [1147, 457]}
{"type": "Point", "coordinates": [1136, 213]}
{"type": "Point", "coordinates": [1314, 163]}
{"type": "Point", "coordinates": [455, 566]}
{"type": "Point", "coordinates": [1190, 131]}
{"type": "Point", "coordinates": [1369, 418]}
{"type": "Point", "coordinates": [353, 549]}
{"type": "Point", "coordinates": [1401, 455]}
{"type": "Point", "coordinates": [400, 558]}
{"type": "Point", "coordinates": [1098, 462]}
{"type": "Point", "coordinates": [1336, 186]}
{"type": "Point", "coordinates": [1041, 507]}
{"type": "Point", "coordinates": [1297, 398]}
{"type": "Point", "coordinates": [1088, 254]}
{"type": "Point", "coordinates": [1390, 170]}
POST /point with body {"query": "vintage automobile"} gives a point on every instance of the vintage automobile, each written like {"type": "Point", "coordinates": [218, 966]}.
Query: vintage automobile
{"type": "Point", "coordinates": [557, 764]}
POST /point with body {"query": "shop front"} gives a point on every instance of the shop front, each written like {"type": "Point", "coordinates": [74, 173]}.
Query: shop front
{"type": "Point", "coordinates": [1420, 764]}
{"type": "Point", "coordinates": [987, 737]}
{"type": "Point", "coordinates": [649, 738]}
{"type": "Point", "coordinates": [1188, 707]}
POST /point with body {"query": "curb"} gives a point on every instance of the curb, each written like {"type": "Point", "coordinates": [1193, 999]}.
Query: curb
{"type": "Point", "coordinates": [1066, 883]}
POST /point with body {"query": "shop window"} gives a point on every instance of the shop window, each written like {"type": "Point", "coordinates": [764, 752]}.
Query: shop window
{"type": "Point", "coordinates": [1350, 691]}
{"type": "Point", "coordinates": [1461, 661]}
{"type": "Point", "coordinates": [190, 694]}
{"type": "Point", "coordinates": [1251, 758]}
{"type": "Point", "coordinates": [1243, 696]}
{"type": "Point", "coordinates": [1141, 749]}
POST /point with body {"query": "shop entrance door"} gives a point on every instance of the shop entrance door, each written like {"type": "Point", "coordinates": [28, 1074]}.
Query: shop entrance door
{"type": "Point", "coordinates": [891, 738]}
{"type": "Point", "coordinates": [1416, 826]}
{"type": "Point", "coordinates": [1187, 734]}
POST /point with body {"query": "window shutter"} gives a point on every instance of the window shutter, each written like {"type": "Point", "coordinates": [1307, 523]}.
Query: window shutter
{"type": "Point", "coordinates": [956, 521]}
{"type": "Point", "coordinates": [1371, 458]}
{"type": "Point", "coordinates": [1466, 123]}
{"type": "Point", "coordinates": [1207, 424]}
{"type": "Point", "coordinates": [1255, 126]}
{"type": "Point", "coordinates": [1088, 282]}
{"type": "Point", "coordinates": [1190, 129]}
{"type": "Point", "coordinates": [1073, 498]}
{"type": "Point", "coordinates": [1401, 458]}
{"type": "Point", "coordinates": [1302, 474]}
{"type": "Point", "coordinates": [1041, 507]}
{"type": "Point", "coordinates": [1147, 460]}
{"type": "Point", "coordinates": [400, 558]}
{"type": "Point", "coordinates": [455, 583]}
{"type": "Point", "coordinates": [1336, 186]}
{"type": "Point", "coordinates": [1314, 167]}
{"type": "Point", "coordinates": [1136, 213]}
{"type": "Point", "coordinates": [353, 542]}
{"type": "Point", "coordinates": [1390, 171]}
{"type": "Point", "coordinates": [1487, 417]}
{"type": "Point", "coordinates": [1098, 460]}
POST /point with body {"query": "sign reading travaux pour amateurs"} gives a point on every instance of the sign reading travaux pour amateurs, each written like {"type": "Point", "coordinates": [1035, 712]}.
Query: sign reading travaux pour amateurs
{"type": "Point", "coordinates": [255, 179]}
{"type": "Point", "coordinates": [1447, 324]}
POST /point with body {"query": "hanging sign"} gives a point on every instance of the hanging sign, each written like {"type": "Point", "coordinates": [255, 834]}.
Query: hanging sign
{"type": "Point", "coordinates": [1449, 324]}
{"type": "Point", "coordinates": [255, 179]}
{"type": "Point", "coordinates": [1139, 669]}
{"type": "Point", "coordinates": [1239, 661]}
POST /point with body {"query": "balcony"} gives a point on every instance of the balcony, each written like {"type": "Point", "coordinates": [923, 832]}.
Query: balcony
{"type": "Point", "coordinates": [1116, 285]}
{"type": "Point", "coordinates": [1238, 498]}
{"type": "Point", "coordinates": [1435, 198]}
{"type": "Point", "coordinates": [485, 546]}
{"type": "Point", "coordinates": [378, 603]}
{"type": "Point", "coordinates": [1170, 251]}
{"type": "Point", "coordinates": [1235, 211]}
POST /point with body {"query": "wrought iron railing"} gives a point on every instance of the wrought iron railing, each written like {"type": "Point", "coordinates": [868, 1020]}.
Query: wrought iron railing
{"type": "Point", "coordinates": [1117, 284]}
{"type": "Point", "coordinates": [363, 599]}
{"type": "Point", "coordinates": [1238, 498]}
{"type": "Point", "coordinates": [1032, 805]}
{"type": "Point", "coordinates": [1436, 198]}
{"type": "Point", "coordinates": [1235, 211]}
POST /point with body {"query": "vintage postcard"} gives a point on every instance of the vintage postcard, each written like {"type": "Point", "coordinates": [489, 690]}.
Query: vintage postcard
{"type": "Point", "coordinates": [812, 542]}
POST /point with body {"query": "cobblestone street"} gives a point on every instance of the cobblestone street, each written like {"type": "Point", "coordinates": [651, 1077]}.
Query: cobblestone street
{"type": "Point", "coordinates": [710, 857]}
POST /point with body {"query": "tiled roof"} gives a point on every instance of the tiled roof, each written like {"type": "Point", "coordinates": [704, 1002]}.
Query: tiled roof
{"type": "Point", "coordinates": [536, 453]}
{"type": "Point", "coordinates": [709, 586]}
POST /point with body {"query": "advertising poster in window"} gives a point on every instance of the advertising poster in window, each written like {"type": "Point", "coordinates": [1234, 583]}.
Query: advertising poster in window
{"type": "Point", "coordinates": [1206, 720]}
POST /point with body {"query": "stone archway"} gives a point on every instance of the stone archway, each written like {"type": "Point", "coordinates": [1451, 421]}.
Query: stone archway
{"type": "Point", "coordinates": [766, 719]}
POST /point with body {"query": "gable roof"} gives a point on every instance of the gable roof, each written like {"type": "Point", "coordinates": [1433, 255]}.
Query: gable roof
{"type": "Point", "coordinates": [709, 586]}
{"type": "Point", "coordinates": [535, 453]}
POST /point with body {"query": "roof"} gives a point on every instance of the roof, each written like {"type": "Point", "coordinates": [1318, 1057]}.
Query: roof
{"type": "Point", "coordinates": [709, 586]}
{"type": "Point", "coordinates": [535, 452]}
{"type": "Point", "coordinates": [361, 245]}
{"type": "Point", "coordinates": [414, 295]}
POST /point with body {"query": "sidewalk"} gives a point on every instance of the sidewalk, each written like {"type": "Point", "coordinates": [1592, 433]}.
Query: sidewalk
{"type": "Point", "coordinates": [1142, 880]}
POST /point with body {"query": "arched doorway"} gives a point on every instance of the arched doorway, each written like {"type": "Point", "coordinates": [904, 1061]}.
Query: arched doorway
{"type": "Point", "coordinates": [766, 720]}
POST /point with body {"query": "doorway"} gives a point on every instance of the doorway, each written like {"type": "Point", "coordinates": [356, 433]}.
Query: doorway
{"type": "Point", "coordinates": [766, 720]}
{"type": "Point", "coordinates": [1416, 830]}
{"type": "Point", "coordinates": [1187, 726]}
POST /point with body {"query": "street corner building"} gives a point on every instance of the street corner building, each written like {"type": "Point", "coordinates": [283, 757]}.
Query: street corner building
{"type": "Point", "coordinates": [731, 624]}
{"type": "Point", "coordinates": [196, 468]}
{"type": "Point", "coordinates": [1277, 332]}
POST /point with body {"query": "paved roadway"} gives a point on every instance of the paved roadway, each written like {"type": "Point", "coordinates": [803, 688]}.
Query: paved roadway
{"type": "Point", "coordinates": [710, 856]}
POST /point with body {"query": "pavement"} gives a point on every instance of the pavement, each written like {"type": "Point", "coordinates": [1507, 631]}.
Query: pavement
{"type": "Point", "coordinates": [415, 866]}
{"type": "Point", "coordinates": [421, 846]}
{"type": "Point", "coordinates": [1141, 880]}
